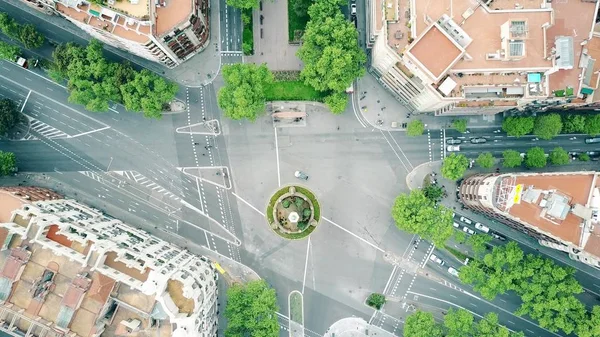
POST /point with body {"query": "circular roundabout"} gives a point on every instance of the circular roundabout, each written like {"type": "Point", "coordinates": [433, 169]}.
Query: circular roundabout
{"type": "Point", "coordinates": [293, 212]}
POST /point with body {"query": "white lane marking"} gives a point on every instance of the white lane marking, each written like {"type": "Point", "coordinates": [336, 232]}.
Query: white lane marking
{"type": "Point", "coordinates": [306, 264]}
{"type": "Point", "coordinates": [26, 99]}
{"type": "Point", "coordinates": [356, 236]}
{"type": "Point", "coordinates": [87, 133]}
{"type": "Point", "coordinates": [247, 203]}
{"type": "Point", "coordinates": [277, 154]}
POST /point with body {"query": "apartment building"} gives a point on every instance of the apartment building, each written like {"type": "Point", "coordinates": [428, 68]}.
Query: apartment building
{"type": "Point", "coordinates": [460, 57]}
{"type": "Point", "coordinates": [560, 209]}
{"type": "Point", "coordinates": [68, 270]}
{"type": "Point", "coordinates": [164, 31]}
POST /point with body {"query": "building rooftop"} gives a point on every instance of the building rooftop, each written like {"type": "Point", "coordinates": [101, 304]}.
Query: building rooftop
{"type": "Point", "coordinates": [435, 51]}
{"type": "Point", "coordinates": [172, 15]}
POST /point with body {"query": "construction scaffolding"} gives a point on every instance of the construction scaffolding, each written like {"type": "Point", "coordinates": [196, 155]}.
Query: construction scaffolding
{"type": "Point", "coordinates": [505, 193]}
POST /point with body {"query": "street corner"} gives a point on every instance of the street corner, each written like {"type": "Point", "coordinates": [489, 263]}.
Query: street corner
{"type": "Point", "coordinates": [233, 272]}
{"type": "Point", "coordinates": [355, 327]}
{"type": "Point", "coordinates": [414, 179]}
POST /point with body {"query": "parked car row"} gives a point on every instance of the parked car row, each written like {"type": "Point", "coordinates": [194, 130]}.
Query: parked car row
{"type": "Point", "coordinates": [454, 143]}
{"type": "Point", "coordinates": [452, 271]}
{"type": "Point", "coordinates": [479, 226]}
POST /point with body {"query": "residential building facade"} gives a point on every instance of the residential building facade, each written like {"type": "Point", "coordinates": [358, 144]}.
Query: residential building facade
{"type": "Point", "coordinates": [559, 209]}
{"type": "Point", "coordinates": [164, 31]}
{"type": "Point", "coordinates": [70, 270]}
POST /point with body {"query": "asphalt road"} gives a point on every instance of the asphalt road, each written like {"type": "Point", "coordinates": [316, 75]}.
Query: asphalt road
{"type": "Point", "coordinates": [230, 28]}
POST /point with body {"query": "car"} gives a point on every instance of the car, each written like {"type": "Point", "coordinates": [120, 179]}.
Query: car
{"type": "Point", "coordinates": [456, 225]}
{"type": "Point", "coordinates": [436, 259]}
{"type": "Point", "coordinates": [453, 148]}
{"type": "Point", "coordinates": [592, 140]}
{"type": "Point", "coordinates": [498, 236]}
{"type": "Point", "coordinates": [453, 141]}
{"type": "Point", "coordinates": [353, 9]}
{"type": "Point", "coordinates": [481, 227]}
{"type": "Point", "coordinates": [478, 140]}
{"type": "Point", "coordinates": [468, 230]}
{"type": "Point", "coordinates": [453, 271]}
{"type": "Point", "coordinates": [465, 220]}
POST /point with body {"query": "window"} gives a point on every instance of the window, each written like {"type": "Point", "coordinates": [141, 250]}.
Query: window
{"type": "Point", "coordinates": [516, 48]}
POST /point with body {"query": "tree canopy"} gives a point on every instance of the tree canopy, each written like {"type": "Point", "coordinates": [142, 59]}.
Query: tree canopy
{"type": "Point", "coordinates": [421, 324]}
{"type": "Point", "coordinates": [8, 163]}
{"type": "Point", "coordinates": [457, 323]}
{"type": "Point", "coordinates": [460, 125]}
{"type": "Point", "coordinates": [337, 102]}
{"type": "Point", "coordinates": [433, 192]}
{"type": "Point", "coordinates": [574, 123]}
{"type": "Point", "coordinates": [485, 160]}
{"type": "Point", "coordinates": [251, 310]}
{"type": "Point", "coordinates": [592, 125]}
{"type": "Point", "coordinates": [454, 166]}
{"type": "Point", "coordinates": [243, 96]}
{"type": "Point", "coordinates": [512, 158]}
{"type": "Point", "coordinates": [243, 4]}
{"type": "Point", "coordinates": [535, 157]}
{"type": "Point", "coordinates": [558, 156]}
{"type": "Point", "coordinates": [478, 242]}
{"type": "Point", "coordinates": [415, 128]}
{"type": "Point", "coordinates": [417, 214]}
{"type": "Point", "coordinates": [26, 34]}
{"type": "Point", "coordinates": [8, 51]}
{"type": "Point", "coordinates": [94, 82]}
{"type": "Point", "coordinates": [518, 126]}
{"type": "Point", "coordinates": [548, 126]}
{"type": "Point", "coordinates": [9, 115]}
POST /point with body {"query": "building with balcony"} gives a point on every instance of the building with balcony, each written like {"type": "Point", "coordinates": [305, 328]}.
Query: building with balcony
{"type": "Point", "coordinates": [69, 270]}
{"type": "Point", "coordinates": [560, 209]}
{"type": "Point", "coordinates": [164, 31]}
{"type": "Point", "coordinates": [460, 57]}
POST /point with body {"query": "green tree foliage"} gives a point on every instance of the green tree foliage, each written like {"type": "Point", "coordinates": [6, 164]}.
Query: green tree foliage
{"type": "Point", "coordinates": [9, 115]}
{"type": "Point", "coordinates": [30, 37]}
{"type": "Point", "coordinates": [330, 52]}
{"type": "Point", "coordinates": [558, 156]}
{"type": "Point", "coordinates": [573, 123]}
{"type": "Point", "coordinates": [376, 300]}
{"type": "Point", "coordinates": [417, 214]}
{"type": "Point", "coordinates": [590, 325]}
{"type": "Point", "coordinates": [421, 324]}
{"type": "Point", "coordinates": [584, 157]}
{"type": "Point", "coordinates": [454, 166]}
{"type": "Point", "coordinates": [251, 310]}
{"type": "Point", "coordinates": [535, 157]}
{"type": "Point", "coordinates": [518, 126]}
{"type": "Point", "coordinates": [547, 291]}
{"type": "Point", "coordinates": [94, 82]}
{"type": "Point", "coordinates": [460, 236]}
{"type": "Point", "coordinates": [548, 126]}
{"type": "Point", "coordinates": [592, 125]}
{"type": "Point", "coordinates": [8, 26]}
{"type": "Point", "coordinates": [415, 128]}
{"type": "Point", "coordinates": [8, 163]}
{"type": "Point", "coordinates": [433, 192]}
{"type": "Point", "coordinates": [512, 158]}
{"type": "Point", "coordinates": [243, 4]}
{"type": "Point", "coordinates": [147, 92]}
{"type": "Point", "coordinates": [459, 323]}
{"type": "Point", "coordinates": [8, 51]}
{"type": "Point", "coordinates": [337, 102]}
{"type": "Point", "coordinates": [490, 327]}
{"type": "Point", "coordinates": [485, 160]}
{"type": "Point", "coordinates": [478, 242]}
{"type": "Point", "coordinates": [243, 96]}
{"type": "Point", "coordinates": [300, 7]}
{"type": "Point", "coordinates": [460, 125]}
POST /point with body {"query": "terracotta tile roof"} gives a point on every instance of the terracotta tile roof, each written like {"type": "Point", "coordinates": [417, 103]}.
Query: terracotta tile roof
{"type": "Point", "coordinates": [435, 51]}
{"type": "Point", "coordinates": [101, 287]}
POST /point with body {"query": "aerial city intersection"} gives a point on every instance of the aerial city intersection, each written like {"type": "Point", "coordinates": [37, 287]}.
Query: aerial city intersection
{"type": "Point", "coordinates": [299, 168]}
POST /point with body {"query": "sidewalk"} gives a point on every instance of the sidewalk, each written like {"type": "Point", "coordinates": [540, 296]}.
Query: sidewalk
{"type": "Point", "coordinates": [200, 70]}
{"type": "Point", "coordinates": [355, 327]}
{"type": "Point", "coordinates": [380, 105]}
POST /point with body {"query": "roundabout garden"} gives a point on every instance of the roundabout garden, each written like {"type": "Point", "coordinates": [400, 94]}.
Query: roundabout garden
{"type": "Point", "coordinates": [293, 212]}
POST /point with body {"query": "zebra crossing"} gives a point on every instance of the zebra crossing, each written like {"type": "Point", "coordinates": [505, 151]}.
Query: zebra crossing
{"type": "Point", "coordinates": [45, 130]}
{"type": "Point", "coordinates": [149, 184]}
{"type": "Point", "coordinates": [230, 53]}
{"type": "Point", "coordinates": [92, 175]}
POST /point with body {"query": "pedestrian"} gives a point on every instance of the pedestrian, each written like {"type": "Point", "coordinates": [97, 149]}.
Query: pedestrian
{"type": "Point", "coordinates": [338, 128]}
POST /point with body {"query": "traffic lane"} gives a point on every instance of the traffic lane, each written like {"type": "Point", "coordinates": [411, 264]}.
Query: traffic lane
{"type": "Point", "coordinates": [522, 147]}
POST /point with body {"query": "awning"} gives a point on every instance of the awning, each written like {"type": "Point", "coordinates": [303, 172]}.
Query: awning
{"type": "Point", "coordinates": [515, 91]}
{"type": "Point", "coordinates": [447, 86]}
{"type": "Point", "coordinates": [587, 91]}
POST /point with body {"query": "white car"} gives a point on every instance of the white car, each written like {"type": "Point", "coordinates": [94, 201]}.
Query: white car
{"type": "Point", "coordinates": [468, 230]}
{"type": "Point", "coordinates": [436, 259]}
{"type": "Point", "coordinates": [453, 271]}
{"type": "Point", "coordinates": [456, 225]}
{"type": "Point", "coordinates": [465, 220]}
{"type": "Point", "coordinates": [353, 9]}
{"type": "Point", "coordinates": [482, 228]}
{"type": "Point", "coordinates": [453, 148]}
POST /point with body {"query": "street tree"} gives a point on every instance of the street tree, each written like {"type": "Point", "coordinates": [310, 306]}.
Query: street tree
{"type": "Point", "coordinates": [8, 26]}
{"type": "Point", "coordinates": [590, 325]}
{"type": "Point", "coordinates": [478, 242]}
{"type": "Point", "coordinates": [535, 157]}
{"type": "Point", "coordinates": [243, 95]}
{"type": "Point", "coordinates": [8, 163]}
{"type": "Point", "coordinates": [460, 125]}
{"type": "Point", "coordinates": [148, 92]}
{"type": "Point", "coordinates": [243, 4]}
{"type": "Point", "coordinates": [573, 123]}
{"type": "Point", "coordinates": [592, 125]}
{"type": "Point", "coordinates": [9, 115]}
{"type": "Point", "coordinates": [518, 126]}
{"type": "Point", "coordinates": [548, 126]}
{"type": "Point", "coordinates": [30, 37]}
{"type": "Point", "coordinates": [459, 323]}
{"type": "Point", "coordinates": [454, 166]}
{"type": "Point", "coordinates": [415, 128]}
{"type": "Point", "coordinates": [415, 213]}
{"type": "Point", "coordinates": [421, 324]}
{"type": "Point", "coordinates": [485, 160]}
{"type": "Point", "coordinates": [584, 157]}
{"type": "Point", "coordinates": [512, 158]}
{"type": "Point", "coordinates": [490, 327]}
{"type": "Point", "coordinates": [460, 237]}
{"type": "Point", "coordinates": [558, 156]}
{"type": "Point", "coordinates": [376, 300]}
{"type": "Point", "coordinates": [337, 102]}
{"type": "Point", "coordinates": [8, 51]}
{"type": "Point", "coordinates": [251, 310]}
{"type": "Point", "coordinates": [433, 192]}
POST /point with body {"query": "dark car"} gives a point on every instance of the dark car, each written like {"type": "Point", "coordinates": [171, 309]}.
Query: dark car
{"type": "Point", "coordinates": [478, 140]}
{"type": "Point", "coordinates": [453, 141]}
{"type": "Point", "coordinates": [498, 236]}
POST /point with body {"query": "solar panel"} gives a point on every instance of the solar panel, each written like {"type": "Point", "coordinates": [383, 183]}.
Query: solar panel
{"type": "Point", "coordinates": [516, 48]}
{"type": "Point", "coordinates": [518, 28]}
